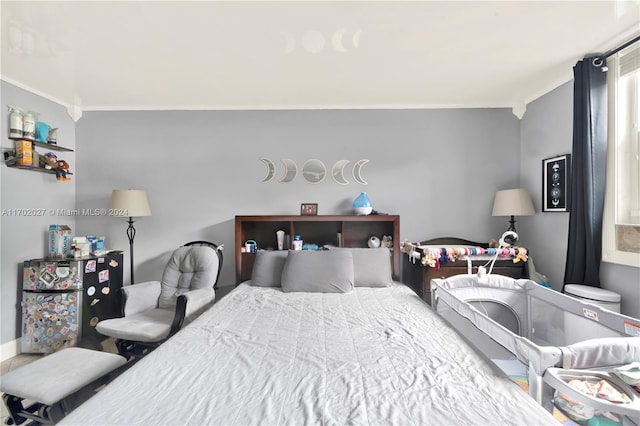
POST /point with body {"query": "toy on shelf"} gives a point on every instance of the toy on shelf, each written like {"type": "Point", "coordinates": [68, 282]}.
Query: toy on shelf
{"type": "Point", "coordinates": [61, 167]}
{"type": "Point", "coordinates": [49, 160]}
{"type": "Point", "coordinates": [42, 131]}
{"type": "Point", "coordinates": [62, 170]}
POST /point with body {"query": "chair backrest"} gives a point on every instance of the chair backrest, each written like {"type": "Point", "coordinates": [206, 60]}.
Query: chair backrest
{"type": "Point", "coordinates": [190, 267]}
{"type": "Point", "coordinates": [218, 250]}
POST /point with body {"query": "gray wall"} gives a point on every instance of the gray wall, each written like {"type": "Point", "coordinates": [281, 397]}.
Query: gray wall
{"type": "Point", "coordinates": [200, 169]}
{"type": "Point", "coordinates": [545, 131]}
{"type": "Point", "coordinates": [25, 237]}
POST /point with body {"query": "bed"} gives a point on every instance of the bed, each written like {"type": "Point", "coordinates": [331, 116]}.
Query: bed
{"type": "Point", "coordinates": [315, 338]}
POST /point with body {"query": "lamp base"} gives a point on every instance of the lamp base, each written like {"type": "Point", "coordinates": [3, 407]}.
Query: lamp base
{"type": "Point", "coordinates": [131, 234]}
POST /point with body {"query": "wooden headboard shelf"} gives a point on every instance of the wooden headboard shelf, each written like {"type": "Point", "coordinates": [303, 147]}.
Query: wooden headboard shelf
{"type": "Point", "coordinates": [320, 230]}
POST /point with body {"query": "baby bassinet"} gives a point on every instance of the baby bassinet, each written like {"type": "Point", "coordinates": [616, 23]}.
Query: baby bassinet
{"type": "Point", "coordinates": [528, 320]}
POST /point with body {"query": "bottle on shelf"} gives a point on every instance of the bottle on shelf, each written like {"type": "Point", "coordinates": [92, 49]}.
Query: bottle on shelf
{"type": "Point", "coordinates": [29, 125]}
{"type": "Point", "coordinates": [15, 122]}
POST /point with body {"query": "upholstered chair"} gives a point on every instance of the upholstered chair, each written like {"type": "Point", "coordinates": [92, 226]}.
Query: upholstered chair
{"type": "Point", "coordinates": [153, 311]}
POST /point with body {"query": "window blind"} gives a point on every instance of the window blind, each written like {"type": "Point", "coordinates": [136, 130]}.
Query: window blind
{"type": "Point", "coordinates": [630, 60]}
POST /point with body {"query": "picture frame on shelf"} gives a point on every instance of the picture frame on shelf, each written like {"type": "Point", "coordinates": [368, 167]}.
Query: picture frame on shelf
{"type": "Point", "coordinates": [309, 209]}
{"type": "Point", "coordinates": [556, 183]}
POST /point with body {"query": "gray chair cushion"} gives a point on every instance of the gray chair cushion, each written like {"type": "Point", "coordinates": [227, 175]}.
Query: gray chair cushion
{"type": "Point", "coordinates": [151, 325]}
{"type": "Point", "coordinates": [188, 268]}
{"type": "Point", "coordinates": [328, 271]}
{"type": "Point", "coordinates": [141, 296]}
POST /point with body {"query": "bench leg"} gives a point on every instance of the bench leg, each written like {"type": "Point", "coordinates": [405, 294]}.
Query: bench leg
{"type": "Point", "coordinates": [41, 413]}
{"type": "Point", "coordinates": [37, 412]}
{"type": "Point", "coordinates": [131, 350]}
{"type": "Point", "coordinates": [15, 407]}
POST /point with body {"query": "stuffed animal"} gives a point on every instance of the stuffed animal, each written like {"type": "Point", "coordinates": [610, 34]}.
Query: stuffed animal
{"type": "Point", "coordinates": [61, 171]}
{"type": "Point", "coordinates": [50, 162]}
{"type": "Point", "coordinates": [521, 254]}
{"type": "Point", "coordinates": [387, 241]}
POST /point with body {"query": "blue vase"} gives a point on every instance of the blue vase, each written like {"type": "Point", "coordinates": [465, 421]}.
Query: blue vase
{"type": "Point", "coordinates": [362, 205]}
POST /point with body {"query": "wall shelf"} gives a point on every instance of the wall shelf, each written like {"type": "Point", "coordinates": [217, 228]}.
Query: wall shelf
{"type": "Point", "coordinates": [51, 146]}
{"type": "Point", "coordinates": [34, 169]}
{"type": "Point", "coordinates": [35, 144]}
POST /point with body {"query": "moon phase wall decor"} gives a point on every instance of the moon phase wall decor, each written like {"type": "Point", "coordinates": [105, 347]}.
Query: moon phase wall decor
{"type": "Point", "coordinates": [314, 41]}
{"type": "Point", "coordinates": [555, 183]}
{"type": "Point", "coordinates": [314, 171]}
{"type": "Point", "coordinates": [357, 171]}
{"type": "Point", "coordinates": [337, 171]}
{"type": "Point", "coordinates": [290, 170]}
{"type": "Point", "coordinates": [271, 169]}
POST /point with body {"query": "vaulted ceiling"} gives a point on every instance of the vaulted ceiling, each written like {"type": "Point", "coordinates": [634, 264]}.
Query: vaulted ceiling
{"type": "Point", "coordinates": [103, 55]}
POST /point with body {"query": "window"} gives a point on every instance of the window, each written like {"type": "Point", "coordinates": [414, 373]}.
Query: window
{"type": "Point", "coordinates": [621, 224]}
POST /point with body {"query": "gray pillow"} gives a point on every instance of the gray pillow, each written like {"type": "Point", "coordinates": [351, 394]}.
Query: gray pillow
{"type": "Point", "coordinates": [267, 268]}
{"type": "Point", "coordinates": [328, 271]}
{"type": "Point", "coordinates": [371, 266]}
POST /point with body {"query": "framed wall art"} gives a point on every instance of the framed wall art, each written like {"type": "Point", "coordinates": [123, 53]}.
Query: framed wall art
{"type": "Point", "coordinates": [309, 209]}
{"type": "Point", "coordinates": [555, 183]}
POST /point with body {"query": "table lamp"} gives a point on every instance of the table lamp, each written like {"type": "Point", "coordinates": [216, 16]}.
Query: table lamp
{"type": "Point", "coordinates": [129, 203]}
{"type": "Point", "coordinates": [513, 202]}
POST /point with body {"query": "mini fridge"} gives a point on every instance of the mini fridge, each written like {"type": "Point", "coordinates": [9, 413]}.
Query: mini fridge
{"type": "Point", "coordinates": [51, 304]}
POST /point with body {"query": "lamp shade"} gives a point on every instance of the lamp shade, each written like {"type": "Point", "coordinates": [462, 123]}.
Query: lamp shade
{"type": "Point", "coordinates": [513, 202]}
{"type": "Point", "coordinates": [129, 203]}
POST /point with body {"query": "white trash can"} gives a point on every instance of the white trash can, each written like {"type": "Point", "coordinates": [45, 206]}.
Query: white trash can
{"type": "Point", "coordinates": [576, 328]}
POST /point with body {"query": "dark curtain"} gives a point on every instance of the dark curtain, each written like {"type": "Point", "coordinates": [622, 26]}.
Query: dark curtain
{"type": "Point", "coordinates": [588, 169]}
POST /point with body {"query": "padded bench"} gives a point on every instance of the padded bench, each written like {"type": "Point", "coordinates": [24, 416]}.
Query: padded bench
{"type": "Point", "coordinates": [53, 380]}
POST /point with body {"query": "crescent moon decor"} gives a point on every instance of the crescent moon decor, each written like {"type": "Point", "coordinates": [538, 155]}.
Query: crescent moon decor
{"type": "Point", "coordinates": [314, 171]}
{"type": "Point", "coordinates": [336, 40]}
{"type": "Point", "coordinates": [356, 39]}
{"type": "Point", "coordinates": [291, 170]}
{"type": "Point", "coordinates": [337, 171]}
{"type": "Point", "coordinates": [357, 171]}
{"type": "Point", "coordinates": [271, 169]}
